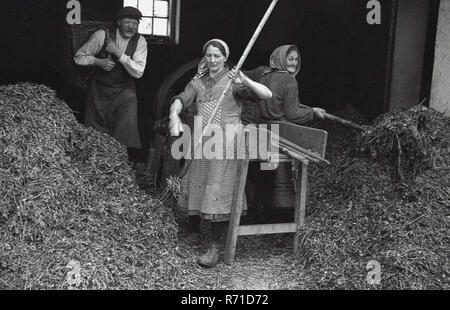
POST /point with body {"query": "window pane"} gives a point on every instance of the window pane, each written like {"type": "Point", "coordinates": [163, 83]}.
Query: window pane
{"type": "Point", "coordinates": [160, 27]}
{"type": "Point", "coordinates": [145, 26]}
{"type": "Point", "coordinates": [146, 7]}
{"type": "Point", "coordinates": [132, 3]}
{"type": "Point", "coordinates": [161, 8]}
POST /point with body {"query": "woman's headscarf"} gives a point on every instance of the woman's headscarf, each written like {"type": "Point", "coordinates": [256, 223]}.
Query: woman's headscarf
{"type": "Point", "coordinates": [278, 59]}
{"type": "Point", "coordinates": [202, 66]}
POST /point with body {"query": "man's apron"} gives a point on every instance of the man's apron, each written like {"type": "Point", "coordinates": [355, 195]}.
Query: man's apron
{"type": "Point", "coordinates": [111, 105]}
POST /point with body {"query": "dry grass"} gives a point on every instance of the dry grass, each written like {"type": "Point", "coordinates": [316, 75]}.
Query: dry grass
{"type": "Point", "coordinates": [68, 194]}
{"type": "Point", "coordinates": [360, 210]}
{"type": "Point", "coordinates": [72, 215]}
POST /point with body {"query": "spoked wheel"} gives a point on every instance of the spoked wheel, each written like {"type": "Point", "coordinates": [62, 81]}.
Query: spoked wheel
{"type": "Point", "coordinates": [160, 160]}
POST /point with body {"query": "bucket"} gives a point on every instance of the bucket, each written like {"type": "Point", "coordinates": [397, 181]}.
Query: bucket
{"type": "Point", "coordinates": [277, 187]}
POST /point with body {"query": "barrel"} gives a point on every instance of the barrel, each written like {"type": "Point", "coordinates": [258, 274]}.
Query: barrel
{"type": "Point", "coordinates": [277, 187]}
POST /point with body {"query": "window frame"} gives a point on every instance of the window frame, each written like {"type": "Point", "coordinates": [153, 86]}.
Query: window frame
{"type": "Point", "coordinates": [174, 26]}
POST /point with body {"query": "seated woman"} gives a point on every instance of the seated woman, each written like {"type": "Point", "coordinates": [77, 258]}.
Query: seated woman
{"type": "Point", "coordinates": [210, 183]}
{"type": "Point", "coordinates": [279, 77]}
{"type": "Point", "coordinates": [276, 187]}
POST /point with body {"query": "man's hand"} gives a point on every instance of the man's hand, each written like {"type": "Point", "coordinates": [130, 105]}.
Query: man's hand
{"type": "Point", "coordinates": [112, 48]}
{"type": "Point", "coordinates": [105, 64]}
{"type": "Point", "coordinates": [319, 113]}
{"type": "Point", "coordinates": [175, 125]}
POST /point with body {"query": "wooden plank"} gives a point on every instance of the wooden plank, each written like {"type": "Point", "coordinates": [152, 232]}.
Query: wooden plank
{"type": "Point", "coordinates": [300, 204]}
{"type": "Point", "coordinates": [264, 229]}
{"type": "Point", "coordinates": [236, 208]}
{"type": "Point", "coordinates": [149, 166]}
{"type": "Point", "coordinates": [233, 229]}
{"type": "Point", "coordinates": [303, 194]}
{"type": "Point", "coordinates": [312, 139]}
{"type": "Point", "coordinates": [282, 158]}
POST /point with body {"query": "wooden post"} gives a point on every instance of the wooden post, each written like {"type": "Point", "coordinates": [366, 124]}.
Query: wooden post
{"type": "Point", "coordinates": [236, 208]}
{"type": "Point", "coordinates": [300, 202]}
{"type": "Point", "coordinates": [149, 167]}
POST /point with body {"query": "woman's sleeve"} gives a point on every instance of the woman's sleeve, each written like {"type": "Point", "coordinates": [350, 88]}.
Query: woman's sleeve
{"type": "Point", "coordinates": [243, 92]}
{"type": "Point", "coordinates": [295, 111]}
{"type": "Point", "coordinates": [187, 97]}
{"type": "Point", "coordinates": [253, 74]}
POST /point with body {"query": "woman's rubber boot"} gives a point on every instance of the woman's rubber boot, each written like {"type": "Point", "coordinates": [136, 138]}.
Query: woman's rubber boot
{"type": "Point", "coordinates": [210, 258]}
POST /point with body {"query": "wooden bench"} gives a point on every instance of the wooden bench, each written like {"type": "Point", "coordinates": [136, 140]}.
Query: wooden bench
{"type": "Point", "coordinates": [316, 140]}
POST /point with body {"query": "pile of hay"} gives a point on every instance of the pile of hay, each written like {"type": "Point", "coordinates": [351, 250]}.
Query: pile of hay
{"type": "Point", "coordinates": [412, 140]}
{"type": "Point", "coordinates": [360, 211]}
{"type": "Point", "coordinates": [71, 214]}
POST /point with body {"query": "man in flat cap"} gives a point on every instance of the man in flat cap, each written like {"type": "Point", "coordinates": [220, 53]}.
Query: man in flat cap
{"type": "Point", "coordinates": [119, 56]}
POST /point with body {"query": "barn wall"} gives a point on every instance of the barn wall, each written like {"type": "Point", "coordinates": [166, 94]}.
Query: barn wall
{"type": "Point", "coordinates": [29, 47]}
{"type": "Point", "coordinates": [440, 93]}
{"type": "Point", "coordinates": [343, 57]}
{"type": "Point", "coordinates": [410, 43]}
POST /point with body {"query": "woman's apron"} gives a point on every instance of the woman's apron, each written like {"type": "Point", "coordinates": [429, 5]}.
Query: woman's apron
{"type": "Point", "coordinates": [111, 105]}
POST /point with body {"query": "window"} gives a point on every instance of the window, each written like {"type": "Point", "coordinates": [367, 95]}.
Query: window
{"type": "Point", "coordinates": [160, 19]}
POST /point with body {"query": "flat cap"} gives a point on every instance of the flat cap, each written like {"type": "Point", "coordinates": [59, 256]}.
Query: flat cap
{"type": "Point", "coordinates": [130, 12]}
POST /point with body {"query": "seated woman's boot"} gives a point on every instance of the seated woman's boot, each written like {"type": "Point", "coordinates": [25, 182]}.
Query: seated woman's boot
{"type": "Point", "coordinates": [210, 258]}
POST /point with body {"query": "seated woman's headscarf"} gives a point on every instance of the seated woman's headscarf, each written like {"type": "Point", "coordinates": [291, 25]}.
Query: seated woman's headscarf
{"type": "Point", "coordinates": [278, 59]}
{"type": "Point", "coordinates": [202, 66]}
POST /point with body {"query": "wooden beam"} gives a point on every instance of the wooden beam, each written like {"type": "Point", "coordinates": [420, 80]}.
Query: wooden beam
{"type": "Point", "coordinates": [300, 203]}
{"type": "Point", "coordinates": [265, 229]}
{"type": "Point", "coordinates": [236, 208]}
{"type": "Point", "coordinates": [310, 141]}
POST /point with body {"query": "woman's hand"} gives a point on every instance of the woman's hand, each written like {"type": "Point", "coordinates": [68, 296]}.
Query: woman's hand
{"type": "Point", "coordinates": [259, 89]}
{"type": "Point", "coordinates": [175, 125]}
{"type": "Point", "coordinates": [240, 79]}
{"type": "Point", "coordinates": [319, 113]}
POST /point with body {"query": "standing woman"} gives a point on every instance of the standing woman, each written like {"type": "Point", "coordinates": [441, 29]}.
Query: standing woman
{"type": "Point", "coordinates": [210, 182]}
